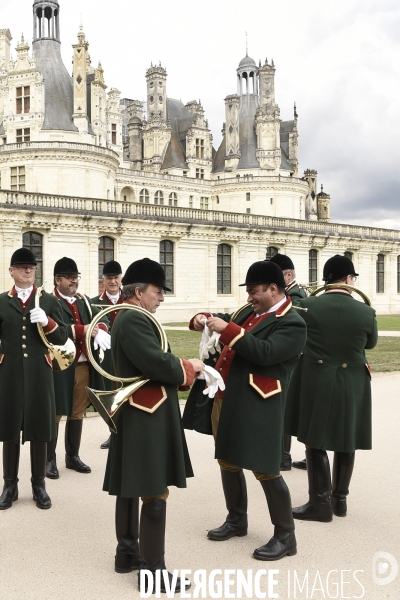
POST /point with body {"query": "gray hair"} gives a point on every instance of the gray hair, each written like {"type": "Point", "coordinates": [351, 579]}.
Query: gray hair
{"type": "Point", "coordinates": [128, 291]}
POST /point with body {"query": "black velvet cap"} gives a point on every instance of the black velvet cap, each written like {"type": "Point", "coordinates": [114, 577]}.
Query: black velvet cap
{"type": "Point", "coordinates": [66, 266]}
{"type": "Point", "coordinates": [283, 261]}
{"type": "Point", "coordinates": [338, 267]}
{"type": "Point", "coordinates": [112, 267]}
{"type": "Point", "coordinates": [23, 256]}
{"type": "Point", "coordinates": [145, 271]}
{"type": "Point", "coordinates": [264, 271]}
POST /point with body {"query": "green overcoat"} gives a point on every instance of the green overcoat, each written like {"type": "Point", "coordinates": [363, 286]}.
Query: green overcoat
{"type": "Point", "coordinates": [64, 381]}
{"type": "Point", "coordinates": [296, 294]}
{"type": "Point", "coordinates": [329, 397]}
{"type": "Point", "coordinates": [26, 377]}
{"type": "Point", "coordinates": [106, 363]}
{"type": "Point", "coordinates": [149, 452]}
{"type": "Point", "coordinates": [251, 426]}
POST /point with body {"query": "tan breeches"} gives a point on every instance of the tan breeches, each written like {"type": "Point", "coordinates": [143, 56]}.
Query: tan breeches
{"type": "Point", "coordinates": [225, 466]}
{"type": "Point", "coordinates": [81, 400]}
{"type": "Point", "coordinates": [163, 496]}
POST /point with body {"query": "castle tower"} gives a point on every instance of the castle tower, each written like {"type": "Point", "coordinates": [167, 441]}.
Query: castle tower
{"type": "Point", "coordinates": [80, 63]}
{"type": "Point", "coordinates": [311, 207]}
{"type": "Point", "coordinates": [157, 131]}
{"type": "Point", "coordinates": [323, 206]}
{"type": "Point", "coordinates": [5, 41]}
{"type": "Point", "coordinates": [247, 88]}
{"type": "Point", "coordinates": [135, 112]}
{"type": "Point", "coordinates": [46, 20]}
{"type": "Point", "coordinates": [232, 108]}
{"type": "Point", "coordinates": [156, 78]}
{"type": "Point", "coordinates": [268, 121]}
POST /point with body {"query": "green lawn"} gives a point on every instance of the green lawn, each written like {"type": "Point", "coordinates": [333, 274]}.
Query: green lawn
{"type": "Point", "coordinates": [388, 322]}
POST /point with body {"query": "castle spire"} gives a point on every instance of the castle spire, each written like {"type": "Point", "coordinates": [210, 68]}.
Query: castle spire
{"type": "Point", "coordinates": [46, 20]}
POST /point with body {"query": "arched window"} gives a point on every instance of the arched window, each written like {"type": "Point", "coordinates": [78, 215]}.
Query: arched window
{"type": "Point", "coordinates": [158, 197]}
{"type": "Point", "coordinates": [106, 253]}
{"type": "Point", "coordinates": [224, 269]}
{"type": "Point", "coordinates": [380, 274]}
{"type": "Point", "coordinates": [349, 255]}
{"type": "Point", "coordinates": [173, 199]}
{"type": "Point", "coordinates": [271, 251]}
{"type": "Point", "coordinates": [167, 261]}
{"type": "Point", "coordinates": [34, 242]}
{"type": "Point", "coordinates": [144, 196]}
{"type": "Point", "coordinates": [313, 266]}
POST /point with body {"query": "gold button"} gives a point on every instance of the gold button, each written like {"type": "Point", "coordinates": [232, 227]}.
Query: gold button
{"type": "Point", "coordinates": [23, 346]}
{"type": "Point", "coordinates": [24, 328]}
{"type": "Point", "coordinates": [230, 349]}
{"type": "Point", "coordinates": [214, 359]}
{"type": "Point", "coordinates": [25, 356]}
{"type": "Point", "coordinates": [224, 358]}
{"type": "Point", "coordinates": [221, 370]}
{"type": "Point", "coordinates": [250, 324]}
{"type": "Point", "coordinates": [320, 361]}
{"type": "Point", "coordinates": [24, 337]}
{"type": "Point", "coordinates": [24, 318]}
{"type": "Point", "coordinates": [344, 366]}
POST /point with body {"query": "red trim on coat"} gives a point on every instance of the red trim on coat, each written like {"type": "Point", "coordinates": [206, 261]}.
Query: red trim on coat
{"type": "Point", "coordinates": [51, 326]}
{"type": "Point", "coordinates": [206, 314]}
{"type": "Point", "coordinates": [188, 373]}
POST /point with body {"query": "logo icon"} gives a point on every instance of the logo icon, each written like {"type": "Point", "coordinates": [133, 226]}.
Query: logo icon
{"type": "Point", "coordinates": [384, 568]}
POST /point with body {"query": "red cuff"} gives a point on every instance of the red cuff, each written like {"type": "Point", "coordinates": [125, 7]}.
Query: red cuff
{"type": "Point", "coordinates": [206, 314]}
{"type": "Point", "coordinates": [51, 326]}
{"type": "Point", "coordinates": [231, 334]}
{"type": "Point", "coordinates": [103, 326]}
{"type": "Point", "coordinates": [188, 373]}
{"type": "Point", "coordinates": [80, 332]}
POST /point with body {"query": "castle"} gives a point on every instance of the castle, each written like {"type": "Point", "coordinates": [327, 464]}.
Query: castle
{"type": "Point", "coordinates": [87, 174]}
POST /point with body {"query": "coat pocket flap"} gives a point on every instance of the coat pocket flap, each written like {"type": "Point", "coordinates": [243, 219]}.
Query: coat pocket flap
{"type": "Point", "coordinates": [148, 399]}
{"type": "Point", "coordinates": [265, 386]}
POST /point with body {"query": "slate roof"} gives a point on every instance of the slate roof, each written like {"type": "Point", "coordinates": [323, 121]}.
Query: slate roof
{"type": "Point", "coordinates": [247, 132]}
{"type": "Point", "coordinates": [181, 121]}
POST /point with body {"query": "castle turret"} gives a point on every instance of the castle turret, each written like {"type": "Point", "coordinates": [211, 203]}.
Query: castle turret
{"type": "Point", "coordinates": [323, 205]}
{"type": "Point", "coordinates": [135, 112]}
{"type": "Point", "coordinates": [5, 41]}
{"type": "Point", "coordinates": [232, 108]}
{"type": "Point", "coordinates": [311, 208]}
{"type": "Point", "coordinates": [80, 62]}
{"type": "Point", "coordinates": [268, 121]}
{"type": "Point", "coordinates": [157, 131]}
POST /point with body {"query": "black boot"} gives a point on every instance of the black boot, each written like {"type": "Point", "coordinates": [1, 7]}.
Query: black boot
{"type": "Point", "coordinates": [10, 474]}
{"type": "Point", "coordinates": [283, 542]}
{"type": "Point", "coordinates": [152, 544]}
{"type": "Point", "coordinates": [51, 464]}
{"type": "Point", "coordinates": [127, 557]}
{"type": "Point", "coordinates": [73, 434]}
{"type": "Point", "coordinates": [286, 465]}
{"type": "Point", "coordinates": [300, 464]}
{"type": "Point", "coordinates": [318, 507]}
{"type": "Point", "coordinates": [38, 469]}
{"type": "Point", "coordinates": [105, 445]}
{"type": "Point", "coordinates": [343, 464]}
{"type": "Point", "coordinates": [235, 491]}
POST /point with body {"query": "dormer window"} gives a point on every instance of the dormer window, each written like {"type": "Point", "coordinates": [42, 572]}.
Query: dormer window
{"type": "Point", "coordinates": [23, 95]}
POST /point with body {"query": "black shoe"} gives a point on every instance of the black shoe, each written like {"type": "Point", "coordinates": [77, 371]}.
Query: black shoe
{"type": "Point", "coordinates": [126, 563]}
{"type": "Point", "coordinates": [300, 464]}
{"type": "Point", "coordinates": [318, 507]}
{"type": "Point", "coordinates": [10, 493]}
{"type": "Point", "coordinates": [343, 464]}
{"type": "Point", "coordinates": [283, 543]}
{"type": "Point", "coordinates": [52, 470]}
{"type": "Point", "coordinates": [286, 464]}
{"type": "Point", "coordinates": [235, 492]}
{"type": "Point", "coordinates": [105, 445]}
{"type": "Point", "coordinates": [38, 467]}
{"type": "Point", "coordinates": [40, 495]}
{"type": "Point", "coordinates": [178, 587]}
{"type": "Point", "coordinates": [75, 463]}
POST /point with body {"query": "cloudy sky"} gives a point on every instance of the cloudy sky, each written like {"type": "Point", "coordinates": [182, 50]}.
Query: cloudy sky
{"type": "Point", "coordinates": [339, 60]}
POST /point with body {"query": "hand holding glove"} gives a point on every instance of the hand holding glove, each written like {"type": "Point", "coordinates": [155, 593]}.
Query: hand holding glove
{"type": "Point", "coordinates": [209, 342]}
{"type": "Point", "coordinates": [39, 316]}
{"type": "Point", "coordinates": [102, 340]}
{"type": "Point", "coordinates": [213, 380]}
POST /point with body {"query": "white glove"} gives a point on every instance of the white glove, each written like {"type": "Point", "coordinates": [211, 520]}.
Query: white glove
{"type": "Point", "coordinates": [102, 340]}
{"type": "Point", "coordinates": [39, 316]}
{"type": "Point", "coordinates": [213, 380]}
{"type": "Point", "coordinates": [209, 343]}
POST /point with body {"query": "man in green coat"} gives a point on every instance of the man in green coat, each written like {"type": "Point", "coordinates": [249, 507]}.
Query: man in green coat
{"type": "Point", "coordinates": [296, 294]}
{"type": "Point", "coordinates": [329, 398]}
{"type": "Point", "coordinates": [26, 379]}
{"type": "Point", "coordinates": [262, 344]}
{"type": "Point", "coordinates": [112, 295]}
{"type": "Point", "coordinates": [148, 453]}
{"type": "Point", "coordinates": [70, 384]}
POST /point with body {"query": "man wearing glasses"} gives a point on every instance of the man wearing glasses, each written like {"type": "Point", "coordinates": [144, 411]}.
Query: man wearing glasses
{"type": "Point", "coordinates": [70, 384]}
{"type": "Point", "coordinates": [328, 405]}
{"type": "Point", "coordinates": [26, 379]}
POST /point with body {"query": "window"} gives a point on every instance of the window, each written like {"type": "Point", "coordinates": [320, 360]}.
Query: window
{"type": "Point", "coordinates": [398, 274]}
{"type": "Point", "coordinates": [34, 242]}
{"type": "Point", "coordinates": [18, 179]}
{"type": "Point", "coordinates": [224, 269]}
{"type": "Point", "coordinates": [113, 133]}
{"type": "Point", "coordinates": [173, 199]}
{"type": "Point", "coordinates": [313, 266]}
{"type": "Point", "coordinates": [167, 262]}
{"type": "Point", "coordinates": [190, 201]}
{"type": "Point", "coordinates": [144, 196]}
{"type": "Point", "coordinates": [271, 251]}
{"type": "Point", "coordinates": [199, 148]}
{"type": "Point", "coordinates": [248, 211]}
{"type": "Point", "coordinates": [106, 252]}
{"type": "Point", "coordinates": [159, 197]}
{"type": "Point", "coordinates": [349, 255]}
{"type": "Point", "coordinates": [23, 95]}
{"type": "Point", "coordinates": [203, 203]}
{"type": "Point", "coordinates": [247, 196]}
{"type": "Point", "coordinates": [199, 173]}
{"type": "Point", "coordinates": [380, 274]}
{"type": "Point", "coordinates": [271, 201]}
{"type": "Point", "coordinates": [23, 135]}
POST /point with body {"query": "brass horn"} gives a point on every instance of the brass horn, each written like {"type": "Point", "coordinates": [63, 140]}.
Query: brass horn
{"type": "Point", "coordinates": [107, 404]}
{"type": "Point", "coordinates": [62, 356]}
{"type": "Point", "coordinates": [342, 286]}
